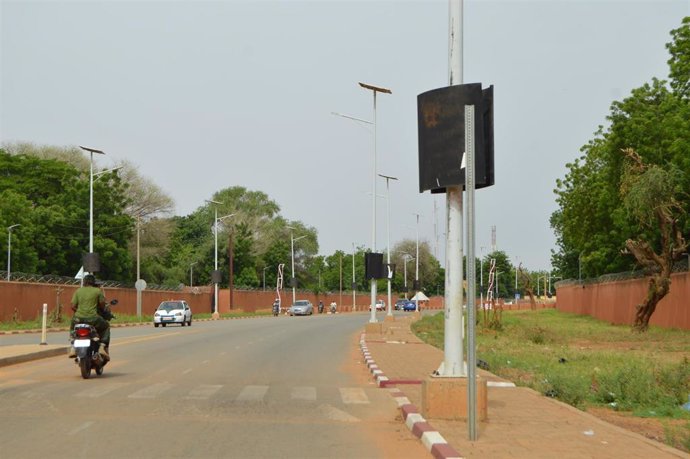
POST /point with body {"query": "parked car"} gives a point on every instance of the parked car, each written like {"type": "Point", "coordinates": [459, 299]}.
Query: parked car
{"type": "Point", "coordinates": [380, 305]}
{"type": "Point", "coordinates": [301, 308]}
{"type": "Point", "coordinates": [400, 303]}
{"type": "Point", "coordinates": [409, 306]}
{"type": "Point", "coordinates": [173, 312]}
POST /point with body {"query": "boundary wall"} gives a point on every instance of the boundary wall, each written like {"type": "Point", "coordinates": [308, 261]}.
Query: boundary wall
{"type": "Point", "coordinates": [615, 302]}
{"type": "Point", "coordinates": [24, 300]}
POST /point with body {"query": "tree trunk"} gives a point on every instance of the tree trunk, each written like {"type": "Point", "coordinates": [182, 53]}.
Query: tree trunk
{"type": "Point", "coordinates": [659, 286]}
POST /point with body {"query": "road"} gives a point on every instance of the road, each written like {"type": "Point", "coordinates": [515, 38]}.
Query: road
{"type": "Point", "coordinates": [269, 387]}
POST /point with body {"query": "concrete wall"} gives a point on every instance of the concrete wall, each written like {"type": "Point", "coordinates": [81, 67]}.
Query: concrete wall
{"type": "Point", "coordinates": [615, 302]}
{"type": "Point", "coordinates": [24, 301]}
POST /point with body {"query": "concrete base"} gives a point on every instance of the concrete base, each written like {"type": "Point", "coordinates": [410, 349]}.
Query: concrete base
{"type": "Point", "coordinates": [374, 328]}
{"type": "Point", "coordinates": [389, 319]}
{"type": "Point", "coordinates": [446, 398]}
{"type": "Point", "coordinates": [215, 316]}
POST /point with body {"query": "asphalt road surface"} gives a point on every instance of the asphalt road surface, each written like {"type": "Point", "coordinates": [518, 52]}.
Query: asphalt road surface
{"type": "Point", "coordinates": [270, 387]}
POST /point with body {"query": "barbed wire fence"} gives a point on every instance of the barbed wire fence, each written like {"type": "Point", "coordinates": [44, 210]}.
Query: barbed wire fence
{"type": "Point", "coordinates": [678, 267]}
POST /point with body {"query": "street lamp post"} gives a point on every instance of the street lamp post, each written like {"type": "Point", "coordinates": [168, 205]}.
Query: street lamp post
{"type": "Point", "coordinates": [481, 276]}
{"type": "Point", "coordinates": [354, 284]}
{"type": "Point", "coordinates": [191, 274]}
{"type": "Point", "coordinates": [406, 257]}
{"type": "Point", "coordinates": [9, 249]}
{"type": "Point", "coordinates": [215, 247]}
{"type": "Point", "coordinates": [388, 236]}
{"type": "Point", "coordinates": [265, 277]}
{"type": "Point", "coordinates": [416, 271]}
{"type": "Point", "coordinates": [91, 152]}
{"type": "Point", "coordinates": [292, 252]}
{"type": "Point", "coordinates": [374, 90]}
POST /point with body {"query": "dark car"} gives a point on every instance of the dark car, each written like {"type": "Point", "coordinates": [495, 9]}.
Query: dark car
{"type": "Point", "coordinates": [409, 306]}
{"type": "Point", "coordinates": [400, 303]}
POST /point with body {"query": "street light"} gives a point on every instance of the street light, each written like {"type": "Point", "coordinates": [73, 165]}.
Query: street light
{"type": "Point", "coordinates": [388, 235]}
{"type": "Point", "coordinates": [191, 274]}
{"type": "Point", "coordinates": [354, 284]}
{"type": "Point", "coordinates": [416, 272]}
{"type": "Point", "coordinates": [292, 252]}
{"type": "Point", "coordinates": [91, 152]}
{"type": "Point", "coordinates": [9, 248]}
{"type": "Point", "coordinates": [265, 277]}
{"type": "Point", "coordinates": [215, 265]}
{"type": "Point", "coordinates": [481, 276]}
{"type": "Point", "coordinates": [406, 257]}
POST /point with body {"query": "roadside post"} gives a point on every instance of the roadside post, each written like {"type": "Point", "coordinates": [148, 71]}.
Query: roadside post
{"type": "Point", "coordinates": [44, 327]}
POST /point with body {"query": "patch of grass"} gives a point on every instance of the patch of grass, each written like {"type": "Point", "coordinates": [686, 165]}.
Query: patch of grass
{"type": "Point", "coordinates": [583, 361]}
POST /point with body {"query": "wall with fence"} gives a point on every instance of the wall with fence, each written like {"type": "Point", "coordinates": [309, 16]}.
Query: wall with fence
{"type": "Point", "coordinates": [615, 301]}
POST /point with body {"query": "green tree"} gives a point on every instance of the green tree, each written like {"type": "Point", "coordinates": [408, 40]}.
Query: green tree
{"type": "Point", "coordinates": [591, 223]}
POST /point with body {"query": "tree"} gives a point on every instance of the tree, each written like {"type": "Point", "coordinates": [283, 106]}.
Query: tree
{"type": "Point", "coordinates": [650, 195]}
{"type": "Point", "coordinates": [429, 267]}
{"type": "Point", "coordinates": [591, 223]}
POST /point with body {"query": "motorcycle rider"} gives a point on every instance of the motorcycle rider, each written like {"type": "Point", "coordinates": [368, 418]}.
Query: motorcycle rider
{"type": "Point", "coordinates": [87, 301]}
{"type": "Point", "coordinates": [276, 307]}
{"type": "Point", "coordinates": [320, 307]}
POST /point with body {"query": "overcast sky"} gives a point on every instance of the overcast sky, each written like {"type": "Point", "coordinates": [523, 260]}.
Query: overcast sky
{"type": "Point", "coordinates": [208, 95]}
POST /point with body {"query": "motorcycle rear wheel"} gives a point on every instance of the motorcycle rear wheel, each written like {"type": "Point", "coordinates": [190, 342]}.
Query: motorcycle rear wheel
{"type": "Point", "coordinates": [85, 367]}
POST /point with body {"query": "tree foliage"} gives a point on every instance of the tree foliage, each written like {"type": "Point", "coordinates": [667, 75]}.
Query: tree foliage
{"type": "Point", "coordinates": [592, 222]}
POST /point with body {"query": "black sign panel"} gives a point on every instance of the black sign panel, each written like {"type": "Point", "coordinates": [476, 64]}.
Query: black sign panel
{"type": "Point", "coordinates": [441, 129]}
{"type": "Point", "coordinates": [373, 265]}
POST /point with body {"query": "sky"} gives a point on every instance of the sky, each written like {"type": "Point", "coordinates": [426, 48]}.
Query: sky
{"type": "Point", "coordinates": [202, 96]}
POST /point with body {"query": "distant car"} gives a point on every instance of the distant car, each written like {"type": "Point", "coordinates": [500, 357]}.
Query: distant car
{"type": "Point", "coordinates": [399, 304]}
{"type": "Point", "coordinates": [301, 308]}
{"type": "Point", "coordinates": [409, 306]}
{"type": "Point", "coordinates": [173, 312]}
{"type": "Point", "coordinates": [380, 305]}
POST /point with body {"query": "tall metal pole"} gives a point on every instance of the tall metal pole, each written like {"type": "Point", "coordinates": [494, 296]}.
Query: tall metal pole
{"type": "Point", "coordinates": [191, 274]}
{"type": "Point", "coordinates": [453, 361]}
{"type": "Point", "coordinates": [388, 235]}
{"type": "Point", "coordinates": [138, 246]}
{"type": "Point", "coordinates": [9, 249]}
{"type": "Point", "coordinates": [471, 273]}
{"type": "Point", "coordinates": [354, 299]}
{"type": "Point", "coordinates": [91, 152]}
{"type": "Point", "coordinates": [292, 269]}
{"type": "Point", "coordinates": [215, 263]}
{"type": "Point", "coordinates": [374, 89]}
{"type": "Point", "coordinates": [416, 269]}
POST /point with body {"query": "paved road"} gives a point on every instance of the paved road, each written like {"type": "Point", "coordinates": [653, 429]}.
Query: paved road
{"type": "Point", "coordinates": [271, 387]}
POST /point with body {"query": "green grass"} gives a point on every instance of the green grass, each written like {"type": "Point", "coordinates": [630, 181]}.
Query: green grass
{"type": "Point", "coordinates": [583, 361]}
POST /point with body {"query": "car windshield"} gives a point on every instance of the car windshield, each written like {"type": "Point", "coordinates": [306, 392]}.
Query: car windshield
{"type": "Point", "coordinates": [301, 303]}
{"type": "Point", "coordinates": [170, 305]}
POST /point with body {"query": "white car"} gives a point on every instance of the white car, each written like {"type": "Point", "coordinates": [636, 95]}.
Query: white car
{"type": "Point", "coordinates": [380, 305]}
{"type": "Point", "coordinates": [173, 312]}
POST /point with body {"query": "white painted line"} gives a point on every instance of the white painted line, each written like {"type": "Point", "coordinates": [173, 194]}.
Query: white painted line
{"type": "Point", "coordinates": [499, 384]}
{"type": "Point", "coordinates": [303, 393]}
{"type": "Point", "coordinates": [376, 372]}
{"type": "Point", "coordinates": [205, 362]}
{"type": "Point", "coordinates": [412, 419]}
{"type": "Point", "coordinates": [203, 392]}
{"type": "Point", "coordinates": [334, 414]}
{"type": "Point", "coordinates": [380, 379]}
{"type": "Point", "coordinates": [252, 394]}
{"type": "Point", "coordinates": [152, 391]}
{"type": "Point", "coordinates": [81, 427]}
{"type": "Point", "coordinates": [100, 390]}
{"type": "Point", "coordinates": [353, 395]}
{"type": "Point", "coordinates": [188, 370]}
{"type": "Point", "coordinates": [429, 439]}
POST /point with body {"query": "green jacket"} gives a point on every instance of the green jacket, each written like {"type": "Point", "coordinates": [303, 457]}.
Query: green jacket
{"type": "Point", "coordinates": [87, 301]}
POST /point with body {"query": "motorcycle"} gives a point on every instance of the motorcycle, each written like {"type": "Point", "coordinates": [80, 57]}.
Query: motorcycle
{"type": "Point", "coordinates": [320, 307]}
{"type": "Point", "coordinates": [333, 307]}
{"type": "Point", "coordinates": [86, 343]}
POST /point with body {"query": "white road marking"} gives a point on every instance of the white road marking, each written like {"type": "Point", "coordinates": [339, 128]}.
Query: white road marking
{"type": "Point", "coordinates": [203, 392]}
{"type": "Point", "coordinates": [205, 362]}
{"type": "Point", "coordinates": [252, 394]}
{"type": "Point", "coordinates": [353, 395]}
{"type": "Point", "coordinates": [188, 370]}
{"type": "Point", "coordinates": [334, 414]}
{"type": "Point", "coordinates": [100, 390]}
{"type": "Point", "coordinates": [303, 393]}
{"type": "Point", "coordinates": [152, 391]}
{"type": "Point", "coordinates": [82, 427]}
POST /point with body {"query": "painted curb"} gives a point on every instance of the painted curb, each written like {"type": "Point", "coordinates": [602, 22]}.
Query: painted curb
{"type": "Point", "coordinates": [432, 440]}
{"type": "Point", "coordinates": [5, 361]}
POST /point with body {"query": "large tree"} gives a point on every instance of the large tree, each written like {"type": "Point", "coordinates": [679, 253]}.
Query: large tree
{"type": "Point", "coordinates": [592, 223]}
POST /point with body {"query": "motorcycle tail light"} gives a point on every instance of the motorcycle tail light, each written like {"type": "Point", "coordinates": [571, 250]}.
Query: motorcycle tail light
{"type": "Point", "coordinates": [83, 332]}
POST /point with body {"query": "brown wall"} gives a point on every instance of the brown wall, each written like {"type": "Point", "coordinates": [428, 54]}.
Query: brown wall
{"type": "Point", "coordinates": [615, 302]}
{"type": "Point", "coordinates": [25, 300]}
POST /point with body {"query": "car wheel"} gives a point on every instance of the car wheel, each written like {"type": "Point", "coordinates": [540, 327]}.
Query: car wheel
{"type": "Point", "coordinates": [155, 325]}
{"type": "Point", "coordinates": [163, 325]}
{"type": "Point", "coordinates": [183, 323]}
{"type": "Point", "coordinates": [190, 321]}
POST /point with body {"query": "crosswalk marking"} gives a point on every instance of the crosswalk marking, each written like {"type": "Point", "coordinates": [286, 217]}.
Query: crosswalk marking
{"type": "Point", "coordinates": [100, 390]}
{"type": "Point", "coordinates": [303, 393]}
{"type": "Point", "coordinates": [353, 395]}
{"type": "Point", "coordinates": [151, 391]}
{"type": "Point", "coordinates": [252, 394]}
{"type": "Point", "coordinates": [203, 392]}
{"type": "Point", "coordinates": [334, 414]}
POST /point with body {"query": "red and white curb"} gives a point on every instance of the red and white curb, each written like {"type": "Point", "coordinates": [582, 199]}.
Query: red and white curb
{"type": "Point", "coordinates": [432, 440]}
